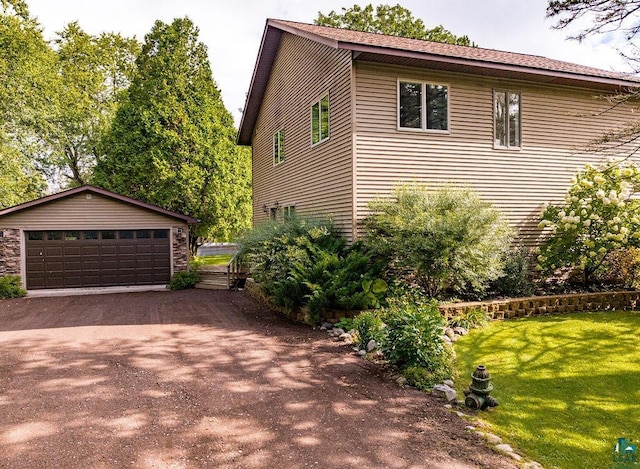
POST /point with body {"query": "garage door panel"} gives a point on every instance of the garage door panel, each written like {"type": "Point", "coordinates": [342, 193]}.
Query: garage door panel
{"type": "Point", "coordinates": [145, 263]}
{"type": "Point", "coordinates": [144, 248]}
{"type": "Point", "coordinates": [91, 250]}
{"type": "Point", "coordinates": [71, 251]}
{"type": "Point", "coordinates": [81, 259]}
{"type": "Point", "coordinates": [129, 264]}
{"type": "Point", "coordinates": [54, 282]}
{"type": "Point", "coordinates": [51, 251]}
{"type": "Point", "coordinates": [127, 249]}
{"type": "Point", "coordinates": [72, 265]}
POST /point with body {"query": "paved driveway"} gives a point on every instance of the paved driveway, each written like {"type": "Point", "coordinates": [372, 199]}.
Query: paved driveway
{"type": "Point", "coordinates": [204, 379]}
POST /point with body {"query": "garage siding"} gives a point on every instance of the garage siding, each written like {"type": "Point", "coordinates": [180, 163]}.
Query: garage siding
{"type": "Point", "coordinates": [86, 211]}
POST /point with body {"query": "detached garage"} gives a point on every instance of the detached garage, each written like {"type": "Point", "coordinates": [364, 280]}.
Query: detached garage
{"type": "Point", "coordinates": [90, 237]}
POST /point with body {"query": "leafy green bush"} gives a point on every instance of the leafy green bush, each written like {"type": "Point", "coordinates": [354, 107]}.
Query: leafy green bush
{"type": "Point", "coordinates": [515, 280]}
{"type": "Point", "coordinates": [346, 324]}
{"type": "Point", "coordinates": [414, 335]}
{"type": "Point", "coordinates": [11, 287]}
{"type": "Point", "coordinates": [304, 262]}
{"type": "Point", "coordinates": [369, 325]}
{"type": "Point", "coordinates": [282, 254]}
{"type": "Point", "coordinates": [423, 378]}
{"type": "Point", "coordinates": [448, 239]}
{"type": "Point", "coordinates": [621, 267]}
{"type": "Point", "coordinates": [470, 319]}
{"type": "Point", "coordinates": [184, 280]}
{"type": "Point", "coordinates": [599, 216]}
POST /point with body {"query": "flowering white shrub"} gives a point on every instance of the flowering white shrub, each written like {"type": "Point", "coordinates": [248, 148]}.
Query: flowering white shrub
{"type": "Point", "coordinates": [599, 216]}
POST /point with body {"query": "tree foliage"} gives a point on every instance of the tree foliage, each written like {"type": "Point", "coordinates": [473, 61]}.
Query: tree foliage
{"type": "Point", "coordinates": [391, 20]}
{"type": "Point", "coordinates": [93, 71]}
{"type": "Point", "coordinates": [172, 140]}
{"type": "Point", "coordinates": [27, 79]}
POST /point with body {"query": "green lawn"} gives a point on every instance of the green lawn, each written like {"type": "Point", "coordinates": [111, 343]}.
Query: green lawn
{"type": "Point", "coordinates": [568, 386]}
{"type": "Point", "coordinates": [216, 259]}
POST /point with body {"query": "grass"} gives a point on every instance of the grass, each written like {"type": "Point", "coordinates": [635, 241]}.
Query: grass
{"type": "Point", "coordinates": [568, 386]}
{"type": "Point", "coordinates": [216, 259]}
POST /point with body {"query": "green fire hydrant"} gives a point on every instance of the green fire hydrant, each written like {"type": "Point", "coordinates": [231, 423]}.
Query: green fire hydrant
{"type": "Point", "coordinates": [477, 396]}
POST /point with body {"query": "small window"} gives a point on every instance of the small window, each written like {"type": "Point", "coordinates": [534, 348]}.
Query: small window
{"type": "Point", "coordinates": [126, 234]}
{"type": "Point", "coordinates": [71, 235]}
{"type": "Point", "coordinates": [423, 106]}
{"type": "Point", "coordinates": [143, 234]}
{"type": "Point", "coordinates": [90, 235]}
{"type": "Point", "coordinates": [35, 236]}
{"type": "Point", "coordinates": [320, 120]}
{"type": "Point", "coordinates": [108, 235]}
{"type": "Point", "coordinates": [507, 119]}
{"type": "Point", "coordinates": [54, 235]}
{"type": "Point", "coordinates": [278, 147]}
{"type": "Point", "coordinates": [161, 234]}
{"type": "Point", "coordinates": [289, 212]}
{"type": "Point", "coordinates": [273, 214]}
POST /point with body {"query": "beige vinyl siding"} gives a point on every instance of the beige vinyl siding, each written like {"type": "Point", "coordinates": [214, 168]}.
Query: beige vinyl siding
{"type": "Point", "coordinates": [316, 179]}
{"type": "Point", "coordinates": [77, 212]}
{"type": "Point", "coordinates": [556, 125]}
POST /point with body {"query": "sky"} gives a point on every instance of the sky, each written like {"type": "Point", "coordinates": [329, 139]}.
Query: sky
{"type": "Point", "coordinates": [232, 29]}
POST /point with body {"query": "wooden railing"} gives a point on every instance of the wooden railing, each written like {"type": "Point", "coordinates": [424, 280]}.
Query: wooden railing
{"type": "Point", "coordinates": [236, 272]}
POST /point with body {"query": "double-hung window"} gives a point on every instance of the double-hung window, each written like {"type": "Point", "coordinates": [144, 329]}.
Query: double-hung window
{"type": "Point", "coordinates": [278, 147]}
{"type": "Point", "coordinates": [289, 212]}
{"type": "Point", "coordinates": [320, 120]}
{"type": "Point", "coordinates": [507, 119]}
{"type": "Point", "coordinates": [423, 106]}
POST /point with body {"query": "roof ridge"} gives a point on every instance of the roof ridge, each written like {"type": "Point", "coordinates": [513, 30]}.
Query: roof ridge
{"type": "Point", "coordinates": [453, 47]}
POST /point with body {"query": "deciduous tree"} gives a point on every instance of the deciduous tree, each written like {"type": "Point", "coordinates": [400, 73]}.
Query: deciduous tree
{"type": "Point", "coordinates": [391, 20]}
{"type": "Point", "coordinates": [27, 78]}
{"type": "Point", "coordinates": [93, 71]}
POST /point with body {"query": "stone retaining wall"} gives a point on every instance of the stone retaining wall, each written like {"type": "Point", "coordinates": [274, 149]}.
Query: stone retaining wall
{"type": "Point", "coordinates": [496, 309]}
{"type": "Point", "coordinates": [545, 305]}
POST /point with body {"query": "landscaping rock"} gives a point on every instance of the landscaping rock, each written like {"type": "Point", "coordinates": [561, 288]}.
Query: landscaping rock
{"type": "Point", "coordinates": [362, 353]}
{"type": "Point", "coordinates": [449, 333]}
{"type": "Point", "coordinates": [460, 330]}
{"type": "Point", "coordinates": [491, 438]}
{"type": "Point", "coordinates": [504, 448]}
{"type": "Point", "coordinates": [327, 326]}
{"type": "Point", "coordinates": [449, 383]}
{"type": "Point", "coordinates": [345, 336]}
{"type": "Point", "coordinates": [446, 339]}
{"type": "Point", "coordinates": [401, 380]}
{"type": "Point", "coordinates": [442, 390]}
{"type": "Point", "coordinates": [371, 345]}
{"type": "Point", "coordinates": [532, 465]}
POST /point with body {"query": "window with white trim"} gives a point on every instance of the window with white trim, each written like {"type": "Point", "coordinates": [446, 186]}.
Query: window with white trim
{"type": "Point", "coordinates": [320, 120]}
{"type": "Point", "coordinates": [278, 147]}
{"type": "Point", "coordinates": [289, 212]}
{"type": "Point", "coordinates": [507, 119]}
{"type": "Point", "coordinates": [423, 106]}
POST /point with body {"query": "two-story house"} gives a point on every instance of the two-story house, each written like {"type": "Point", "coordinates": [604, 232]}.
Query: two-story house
{"type": "Point", "coordinates": [337, 117]}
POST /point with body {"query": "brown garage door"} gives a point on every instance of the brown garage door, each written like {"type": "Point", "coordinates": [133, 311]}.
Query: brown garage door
{"type": "Point", "coordinates": [68, 259]}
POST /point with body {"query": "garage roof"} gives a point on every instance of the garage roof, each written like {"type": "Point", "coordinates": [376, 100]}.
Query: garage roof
{"type": "Point", "coordinates": [98, 191]}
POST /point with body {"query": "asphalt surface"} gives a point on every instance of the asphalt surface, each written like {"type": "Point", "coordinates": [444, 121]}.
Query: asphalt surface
{"type": "Point", "coordinates": [207, 379]}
